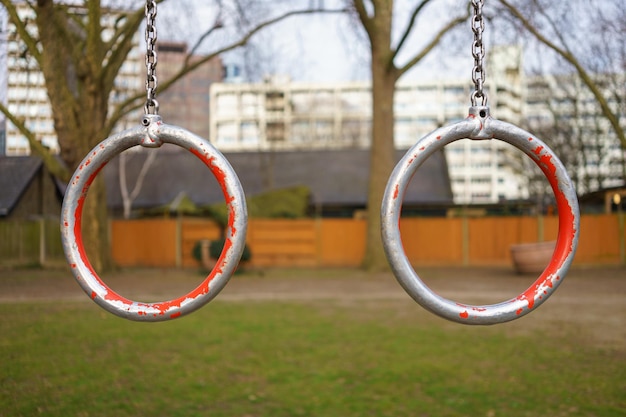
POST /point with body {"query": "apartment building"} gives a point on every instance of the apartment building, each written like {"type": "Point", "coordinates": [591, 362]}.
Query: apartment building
{"type": "Point", "coordinates": [566, 112]}
{"type": "Point", "coordinates": [282, 115]}
{"type": "Point", "coordinates": [186, 102]}
{"type": "Point", "coordinates": [24, 91]}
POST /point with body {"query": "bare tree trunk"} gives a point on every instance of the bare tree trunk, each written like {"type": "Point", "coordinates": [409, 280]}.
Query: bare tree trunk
{"type": "Point", "coordinates": [377, 22]}
{"type": "Point", "coordinates": [376, 16]}
{"type": "Point", "coordinates": [71, 64]}
{"type": "Point", "coordinates": [381, 159]}
{"type": "Point", "coordinates": [129, 197]}
{"type": "Point", "coordinates": [95, 227]}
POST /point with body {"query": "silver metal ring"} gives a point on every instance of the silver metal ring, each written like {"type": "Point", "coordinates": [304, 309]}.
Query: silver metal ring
{"type": "Point", "coordinates": [153, 133]}
{"type": "Point", "coordinates": [481, 126]}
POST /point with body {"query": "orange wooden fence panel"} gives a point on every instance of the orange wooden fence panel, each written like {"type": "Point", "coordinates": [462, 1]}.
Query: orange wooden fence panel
{"type": "Point", "coordinates": [144, 242]}
{"type": "Point", "coordinates": [341, 242]}
{"type": "Point", "coordinates": [490, 238]}
{"type": "Point", "coordinates": [283, 243]}
{"type": "Point", "coordinates": [599, 239]}
{"type": "Point", "coordinates": [432, 240]}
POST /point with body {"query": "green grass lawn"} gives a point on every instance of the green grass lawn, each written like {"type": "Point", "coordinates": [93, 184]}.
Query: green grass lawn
{"type": "Point", "coordinates": [255, 359]}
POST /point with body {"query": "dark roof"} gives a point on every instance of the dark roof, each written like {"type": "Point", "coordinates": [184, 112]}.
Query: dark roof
{"type": "Point", "coordinates": [16, 172]}
{"type": "Point", "coordinates": [335, 177]}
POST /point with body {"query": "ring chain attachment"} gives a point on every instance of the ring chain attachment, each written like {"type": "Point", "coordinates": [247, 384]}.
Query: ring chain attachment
{"type": "Point", "coordinates": [152, 106]}
{"type": "Point", "coordinates": [478, 52]}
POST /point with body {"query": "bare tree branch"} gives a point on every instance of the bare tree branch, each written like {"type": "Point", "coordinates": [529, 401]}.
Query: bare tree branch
{"type": "Point", "coordinates": [432, 44]}
{"type": "Point", "coordinates": [572, 60]}
{"type": "Point", "coordinates": [53, 165]}
{"type": "Point", "coordinates": [409, 27]}
{"type": "Point", "coordinates": [217, 24]}
{"type": "Point", "coordinates": [120, 45]}
{"type": "Point", "coordinates": [133, 102]}
{"type": "Point", "coordinates": [128, 198]}
{"type": "Point", "coordinates": [20, 26]}
{"type": "Point", "coordinates": [366, 20]}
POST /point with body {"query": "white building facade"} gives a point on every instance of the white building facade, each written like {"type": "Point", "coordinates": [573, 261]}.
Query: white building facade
{"type": "Point", "coordinates": [565, 109]}
{"type": "Point", "coordinates": [24, 91]}
{"type": "Point", "coordinates": [281, 115]}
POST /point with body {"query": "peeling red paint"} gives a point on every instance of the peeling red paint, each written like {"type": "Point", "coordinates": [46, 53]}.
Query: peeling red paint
{"type": "Point", "coordinates": [567, 232]}
{"type": "Point", "coordinates": [464, 314]}
{"type": "Point", "coordinates": [220, 176]}
{"type": "Point", "coordinates": [141, 309]}
{"type": "Point", "coordinates": [396, 192]}
{"type": "Point", "coordinates": [438, 137]}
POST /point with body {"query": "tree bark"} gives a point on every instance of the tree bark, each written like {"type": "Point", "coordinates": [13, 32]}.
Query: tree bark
{"type": "Point", "coordinates": [71, 63]}
{"type": "Point", "coordinates": [377, 21]}
{"type": "Point", "coordinates": [384, 77]}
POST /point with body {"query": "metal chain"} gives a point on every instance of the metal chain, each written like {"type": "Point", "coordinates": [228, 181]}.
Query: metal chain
{"type": "Point", "coordinates": [478, 52]}
{"type": "Point", "coordinates": [152, 106]}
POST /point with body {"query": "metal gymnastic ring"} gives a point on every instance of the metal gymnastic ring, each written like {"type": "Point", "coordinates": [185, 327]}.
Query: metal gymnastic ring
{"type": "Point", "coordinates": [481, 126]}
{"type": "Point", "coordinates": [153, 133]}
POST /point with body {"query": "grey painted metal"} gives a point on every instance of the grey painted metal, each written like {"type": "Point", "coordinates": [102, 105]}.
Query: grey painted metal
{"type": "Point", "coordinates": [481, 126]}
{"type": "Point", "coordinates": [153, 133]}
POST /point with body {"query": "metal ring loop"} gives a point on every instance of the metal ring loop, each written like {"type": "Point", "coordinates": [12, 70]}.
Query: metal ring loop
{"type": "Point", "coordinates": [152, 134]}
{"type": "Point", "coordinates": [479, 125]}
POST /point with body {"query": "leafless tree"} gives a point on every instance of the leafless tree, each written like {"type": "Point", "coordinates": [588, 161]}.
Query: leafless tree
{"type": "Point", "coordinates": [389, 35]}
{"type": "Point", "coordinates": [80, 66]}
{"type": "Point", "coordinates": [573, 128]}
{"type": "Point", "coordinates": [587, 37]}
{"type": "Point", "coordinates": [129, 197]}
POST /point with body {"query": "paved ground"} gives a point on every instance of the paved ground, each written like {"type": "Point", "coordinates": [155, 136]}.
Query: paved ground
{"type": "Point", "coordinates": [590, 300]}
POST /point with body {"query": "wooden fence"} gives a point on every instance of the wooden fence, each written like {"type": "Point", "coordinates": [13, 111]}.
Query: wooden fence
{"type": "Point", "coordinates": [341, 242]}
{"type": "Point", "coordinates": [30, 242]}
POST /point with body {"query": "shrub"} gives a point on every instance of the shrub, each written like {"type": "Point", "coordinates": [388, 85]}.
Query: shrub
{"type": "Point", "coordinates": [215, 249]}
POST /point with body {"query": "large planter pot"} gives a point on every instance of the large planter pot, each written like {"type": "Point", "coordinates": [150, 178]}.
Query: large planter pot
{"type": "Point", "coordinates": [206, 260]}
{"type": "Point", "coordinates": [532, 257]}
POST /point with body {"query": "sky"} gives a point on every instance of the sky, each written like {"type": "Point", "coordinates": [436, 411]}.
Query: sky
{"type": "Point", "coordinates": [329, 48]}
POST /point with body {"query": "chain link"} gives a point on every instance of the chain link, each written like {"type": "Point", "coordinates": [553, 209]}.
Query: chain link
{"type": "Point", "coordinates": [152, 106]}
{"type": "Point", "coordinates": [478, 52]}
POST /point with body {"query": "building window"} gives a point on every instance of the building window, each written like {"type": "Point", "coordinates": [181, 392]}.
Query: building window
{"type": "Point", "coordinates": [226, 104]}
{"type": "Point", "coordinates": [275, 131]}
{"type": "Point", "coordinates": [226, 134]}
{"type": "Point", "coordinates": [300, 131]}
{"type": "Point", "coordinates": [249, 104]}
{"type": "Point", "coordinates": [323, 131]}
{"type": "Point", "coordinates": [249, 133]}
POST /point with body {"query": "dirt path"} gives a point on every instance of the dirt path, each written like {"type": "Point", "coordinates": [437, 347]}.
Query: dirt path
{"type": "Point", "coordinates": [590, 300]}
